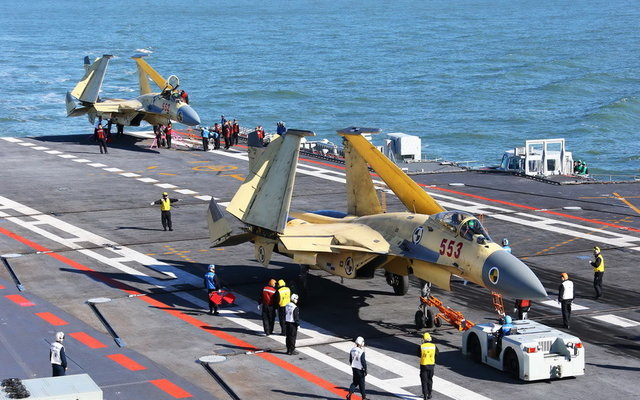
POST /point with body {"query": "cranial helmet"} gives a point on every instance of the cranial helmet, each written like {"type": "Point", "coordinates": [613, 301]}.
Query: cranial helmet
{"type": "Point", "coordinates": [212, 267]}
{"type": "Point", "coordinates": [426, 337]}
{"type": "Point", "coordinates": [281, 282]}
{"type": "Point", "coordinates": [59, 337]}
{"type": "Point", "coordinates": [505, 242]}
{"type": "Point", "coordinates": [596, 249]}
{"type": "Point", "coordinates": [564, 276]}
{"type": "Point", "coordinates": [272, 282]}
{"type": "Point", "coordinates": [294, 298]}
{"type": "Point", "coordinates": [360, 341]}
{"type": "Point", "coordinates": [507, 319]}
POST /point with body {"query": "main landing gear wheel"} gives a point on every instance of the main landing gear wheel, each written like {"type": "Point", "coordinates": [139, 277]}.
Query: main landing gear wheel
{"type": "Point", "coordinates": [422, 320]}
{"type": "Point", "coordinates": [399, 283]}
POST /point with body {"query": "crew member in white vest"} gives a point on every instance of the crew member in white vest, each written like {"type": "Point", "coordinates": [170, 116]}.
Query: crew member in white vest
{"type": "Point", "coordinates": [57, 356]}
{"type": "Point", "coordinates": [292, 322]}
{"type": "Point", "coordinates": [565, 297]}
{"type": "Point", "coordinates": [358, 367]}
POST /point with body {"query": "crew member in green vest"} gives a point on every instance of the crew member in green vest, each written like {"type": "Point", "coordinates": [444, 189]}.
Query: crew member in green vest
{"type": "Point", "coordinates": [427, 352]}
{"type": "Point", "coordinates": [598, 271]}
{"type": "Point", "coordinates": [165, 210]}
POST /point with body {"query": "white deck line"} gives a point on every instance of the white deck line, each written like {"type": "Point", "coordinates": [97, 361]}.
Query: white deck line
{"type": "Point", "coordinates": [53, 152]}
{"type": "Point", "coordinates": [148, 180]}
{"type": "Point", "coordinates": [66, 156]}
{"type": "Point", "coordinates": [185, 191]}
{"type": "Point", "coordinates": [12, 139]}
{"type": "Point", "coordinates": [555, 304]}
{"type": "Point", "coordinates": [166, 185]}
{"type": "Point", "coordinates": [112, 169]}
{"type": "Point", "coordinates": [97, 165]}
{"type": "Point", "coordinates": [204, 198]}
{"type": "Point", "coordinates": [615, 320]}
{"type": "Point", "coordinates": [81, 160]}
{"type": "Point", "coordinates": [129, 175]}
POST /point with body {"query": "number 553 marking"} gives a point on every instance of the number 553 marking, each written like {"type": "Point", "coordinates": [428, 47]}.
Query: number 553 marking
{"type": "Point", "coordinates": [450, 248]}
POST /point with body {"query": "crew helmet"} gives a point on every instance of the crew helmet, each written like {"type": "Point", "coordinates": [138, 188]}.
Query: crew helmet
{"type": "Point", "coordinates": [281, 283]}
{"type": "Point", "coordinates": [426, 337]}
{"type": "Point", "coordinates": [59, 337]}
{"type": "Point", "coordinates": [294, 298]}
{"type": "Point", "coordinates": [212, 267]}
{"type": "Point", "coordinates": [165, 193]}
{"type": "Point", "coordinates": [507, 319]}
{"type": "Point", "coordinates": [564, 276]}
{"type": "Point", "coordinates": [360, 341]}
{"type": "Point", "coordinates": [505, 242]}
{"type": "Point", "coordinates": [596, 250]}
{"type": "Point", "coordinates": [272, 282]}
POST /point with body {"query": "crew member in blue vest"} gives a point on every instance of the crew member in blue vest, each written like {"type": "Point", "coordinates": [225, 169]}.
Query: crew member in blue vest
{"type": "Point", "coordinates": [427, 353]}
{"type": "Point", "coordinates": [204, 132]}
{"type": "Point", "coordinates": [212, 283]}
{"type": "Point", "coordinates": [505, 330]}
{"type": "Point", "coordinates": [165, 210]}
{"type": "Point", "coordinates": [358, 367]}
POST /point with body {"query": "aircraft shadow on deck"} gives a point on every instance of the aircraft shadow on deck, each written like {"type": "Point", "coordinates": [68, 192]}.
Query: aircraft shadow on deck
{"type": "Point", "coordinates": [124, 142]}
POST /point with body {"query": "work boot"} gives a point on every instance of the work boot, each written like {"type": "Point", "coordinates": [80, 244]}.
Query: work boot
{"type": "Point", "coordinates": [349, 396]}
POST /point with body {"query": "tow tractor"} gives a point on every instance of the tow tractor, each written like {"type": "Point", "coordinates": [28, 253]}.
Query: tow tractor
{"type": "Point", "coordinates": [531, 352]}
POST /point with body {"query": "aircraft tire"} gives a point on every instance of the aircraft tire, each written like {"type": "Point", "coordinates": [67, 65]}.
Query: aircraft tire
{"type": "Point", "coordinates": [399, 283]}
{"type": "Point", "coordinates": [419, 320]}
{"type": "Point", "coordinates": [429, 319]}
{"type": "Point", "coordinates": [437, 323]}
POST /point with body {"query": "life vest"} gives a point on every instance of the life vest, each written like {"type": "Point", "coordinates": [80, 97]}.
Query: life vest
{"type": "Point", "coordinates": [356, 355]}
{"type": "Point", "coordinates": [427, 354]}
{"type": "Point", "coordinates": [523, 303]}
{"type": "Point", "coordinates": [100, 133]}
{"type": "Point", "coordinates": [165, 204]}
{"type": "Point", "coordinates": [267, 295]}
{"type": "Point", "coordinates": [288, 311]}
{"type": "Point", "coordinates": [56, 348]}
{"type": "Point", "coordinates": [285, 296]}
{"type": "Point", "coordinates": [210, 279]}
{"type": "Point", "coordinates": [568, 290]}
{"type": "Point", "coordinates": [600, 268]}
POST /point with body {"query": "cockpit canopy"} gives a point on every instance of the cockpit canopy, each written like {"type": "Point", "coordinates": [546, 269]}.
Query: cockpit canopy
{"type": "Point", "coordinates": [463, 224]}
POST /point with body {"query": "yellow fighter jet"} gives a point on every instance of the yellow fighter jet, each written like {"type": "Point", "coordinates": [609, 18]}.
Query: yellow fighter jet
{"type": "Point", "coordinates": [426, 241]}
{"type": "Point", "coordinates": [155, 108]}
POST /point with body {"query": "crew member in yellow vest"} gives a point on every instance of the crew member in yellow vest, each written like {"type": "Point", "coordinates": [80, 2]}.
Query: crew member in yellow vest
{"type": "Point", "coordinates": [598, 271]}
{"type": "Point", "coordinates": [427, 352]}
{"type": "Point", "coordinates": [165, 210]}
{"type": "Point", "coordinates": [282, 297]}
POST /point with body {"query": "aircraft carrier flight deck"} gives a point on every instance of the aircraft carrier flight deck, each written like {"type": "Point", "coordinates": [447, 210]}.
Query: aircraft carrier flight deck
{"type": "Point", "coordinates": [76, 225]}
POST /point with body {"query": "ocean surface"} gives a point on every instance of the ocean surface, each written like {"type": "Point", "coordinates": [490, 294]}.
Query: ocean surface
{"type": "Point", "coordinates": [472, 78]}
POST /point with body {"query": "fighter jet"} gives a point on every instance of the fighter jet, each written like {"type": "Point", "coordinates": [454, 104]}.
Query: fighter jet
{"type": "Point", "coordinates": [426, 241]}
{"type": "Point", "coordinates": [155, 108]}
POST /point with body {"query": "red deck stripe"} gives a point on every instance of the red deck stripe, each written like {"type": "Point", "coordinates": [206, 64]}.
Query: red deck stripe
{"type": "Point", "coordinates": [187, 318]}
{"type": "Point", "coordinates": [19, 300]}
{"type": "Point", "coordinates": [126, 362]}
{"type": "Point", "coordinates": [52, 319]}
{"type": "Point", "coordinates": [87, 340]}
{"type": "Point", "coordinates": [171, 388]}
{"type": "Point", "coordinates": [1, 287]}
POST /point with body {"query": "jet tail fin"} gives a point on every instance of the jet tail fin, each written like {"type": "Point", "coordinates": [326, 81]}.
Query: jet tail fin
{"type": "Point", "coordinates": [88, 89]}
{"type": "Point", "coordinates": [410, 194]}
{"type": "Point", "coordinates": [264, 198]}
{"type": "Point", "coordinates": [362, 198]}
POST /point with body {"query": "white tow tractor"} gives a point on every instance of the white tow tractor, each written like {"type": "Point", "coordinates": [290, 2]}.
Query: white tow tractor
{"type": "Point", "coordinates": [531, 352]}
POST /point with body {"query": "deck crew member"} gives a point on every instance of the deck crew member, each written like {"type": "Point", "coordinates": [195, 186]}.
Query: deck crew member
{"type": "Point", "coordinates": [57, 356]}
{"type": "Point", "coordinates": [235, 132]}
{"type": "Point", "coordinates": [216, 136]}
{"type": "Point", "coordinates": [427, 353]}
{"type": "Point", "coordinates": [505, 245]}
{"type": "Point", "coordinates": [292, 321]}
{"type": "Point", "coordinates": [505, 330]}
{"type": "Point", "coordinates": [282, 298]}
{"type": "Point", "coordinates": [266, 301]}
{"type": "Point", "coordinates": [165, 210]}
{"type": "Point", "coordinates": [101, 136]}
{"type": "Point", "coordinates": [204, 132]}
{"type": "Point", "coordinates": [522, 308]}
{"type": "Point", "coordinates": [565, 297]}
{"type": "Point", "coordinates": [358, 368]}
{"type": "Point", "coordinates": [167, 133]}
{"type": "Point", "coordinates": [212, 283]}
{"type": "Point", "coordinates": [598, 271]}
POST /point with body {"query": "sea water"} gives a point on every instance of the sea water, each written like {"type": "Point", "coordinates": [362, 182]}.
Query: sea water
{"type": "Point", "coordinates": [471, 78]}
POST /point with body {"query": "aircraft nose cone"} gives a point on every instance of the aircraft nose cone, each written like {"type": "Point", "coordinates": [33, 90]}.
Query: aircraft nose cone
{"type": "Point", "coordinates": [504, 273]}
{"type": "Point", "coordinates": [188, 116]}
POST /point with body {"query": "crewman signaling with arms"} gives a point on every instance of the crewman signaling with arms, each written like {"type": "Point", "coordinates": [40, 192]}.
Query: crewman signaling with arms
{"type": "Point", "coordinates": [598, 271]}
{"type": "Point", "coordinates": [165, 210]}
{"type": "Point", "coordinates": [427, 353]}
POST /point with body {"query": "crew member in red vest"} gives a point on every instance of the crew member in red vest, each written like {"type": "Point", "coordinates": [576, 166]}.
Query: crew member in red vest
{"type": "Point", "coordinates": [268, 307]}
{"type": "Point", "coordinates": [101, 136]}
{"type": "Point", "coordinates": [522, 308]}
